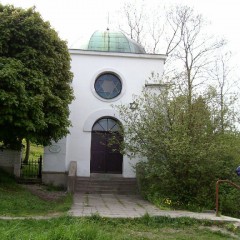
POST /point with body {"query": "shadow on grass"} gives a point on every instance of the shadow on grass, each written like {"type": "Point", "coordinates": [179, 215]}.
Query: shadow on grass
{"type": "Point", "coordinates": [16, 200]}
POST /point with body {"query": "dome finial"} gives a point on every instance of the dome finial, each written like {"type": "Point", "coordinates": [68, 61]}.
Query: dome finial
{"type": "Point", "coordinates": [108, 22]}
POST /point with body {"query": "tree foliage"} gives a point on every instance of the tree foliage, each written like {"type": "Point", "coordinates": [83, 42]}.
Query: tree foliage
{"type": "Point", "coordinates": [185, 131]}
{"type": "Point", "coordinates": [35, 79]}
{"type": "Point", "coordinates": [179, 162]}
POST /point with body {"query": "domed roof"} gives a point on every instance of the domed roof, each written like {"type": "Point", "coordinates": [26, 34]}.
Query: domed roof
{"type": "Point", "coordinates": [109, 41]}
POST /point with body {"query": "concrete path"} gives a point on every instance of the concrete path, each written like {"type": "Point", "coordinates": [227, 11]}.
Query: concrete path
{"type": "Point", "coordinates": [129, 206]}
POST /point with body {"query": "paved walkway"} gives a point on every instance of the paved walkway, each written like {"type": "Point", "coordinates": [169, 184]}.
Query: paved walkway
{"type": "Point", "coordinates": [129, 206]}
{"type": "Point", "coordinates": [123, 206]}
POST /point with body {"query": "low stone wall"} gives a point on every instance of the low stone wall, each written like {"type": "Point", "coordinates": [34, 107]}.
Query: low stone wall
{"type": "Point", "coordinates": [10, 161]}
{"type": "Point", "coordinates": [55, 178]}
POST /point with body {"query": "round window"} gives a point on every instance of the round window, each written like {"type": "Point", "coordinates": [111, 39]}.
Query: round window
{"type": "Point", "coordinates": [108, 86]}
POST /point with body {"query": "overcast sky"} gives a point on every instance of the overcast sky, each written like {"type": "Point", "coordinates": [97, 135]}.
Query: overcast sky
{"type": "Point", "coordinates": [73, 19]}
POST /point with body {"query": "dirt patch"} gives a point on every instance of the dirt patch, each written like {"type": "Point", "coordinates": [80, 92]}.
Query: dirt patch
{"type": "Point", "coordinates": [42, 192]}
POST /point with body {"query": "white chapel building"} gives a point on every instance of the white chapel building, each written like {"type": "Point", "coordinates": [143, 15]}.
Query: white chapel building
{"type": "Point", "coordinates": [108, 71]}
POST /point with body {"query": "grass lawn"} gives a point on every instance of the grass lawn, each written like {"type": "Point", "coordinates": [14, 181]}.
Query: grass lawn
{"type": "Point", "coordinates": [18, 201]}
{"type": "Point", "coordinates": [96, 228]}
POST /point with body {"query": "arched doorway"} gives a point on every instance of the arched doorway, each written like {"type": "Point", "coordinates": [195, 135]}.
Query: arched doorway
{"type": "Point", "coordinates": [106, 157]}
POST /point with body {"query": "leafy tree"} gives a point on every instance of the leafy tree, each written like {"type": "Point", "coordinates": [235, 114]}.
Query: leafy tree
{"type": "Point", "coordinates": [179, 162]}
{"type": "Point", "coordinates": [222, 91]}
{"type": "Point", "coordinates": [35, 79]}
{"type": "Point", "coordinates": [185, 133]}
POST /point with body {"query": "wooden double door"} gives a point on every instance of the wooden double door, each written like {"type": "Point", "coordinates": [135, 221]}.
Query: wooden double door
{"type": "Point", "coordinates": [105, 154]}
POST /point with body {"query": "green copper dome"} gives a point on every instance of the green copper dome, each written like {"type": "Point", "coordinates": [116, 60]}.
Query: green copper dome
{"type": "Point", "coordinates": [108, 41]}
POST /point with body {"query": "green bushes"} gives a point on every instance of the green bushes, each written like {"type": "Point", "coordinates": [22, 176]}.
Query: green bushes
{"type": "Point", "coordinates": [188, 179]}
{"type": "Point", "coordinates": [167, 192]}
{"type": "Point", "coordinates": [229, 200]}
{"type": "Point", "coordinates": [184, 151]}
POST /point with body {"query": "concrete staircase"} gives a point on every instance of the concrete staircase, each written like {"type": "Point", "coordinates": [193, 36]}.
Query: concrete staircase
{"type": "Point", "coordinates": [106, 184]}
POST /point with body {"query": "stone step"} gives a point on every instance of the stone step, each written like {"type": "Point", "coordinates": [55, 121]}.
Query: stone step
{"type": "Point", "coordinates": [132, 186]}
{"type": "Point", "coordinates": [105, 187]}
{"type": "Point", "coordinates": [106, 183]}
{"type": "Point", "coordinates": [117, 179]}
{"type": "Point", "coordinates": [117, 185]}
{"type": "Point", "coordinates": [109, 191]}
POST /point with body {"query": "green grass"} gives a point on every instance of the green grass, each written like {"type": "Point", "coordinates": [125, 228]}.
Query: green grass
{"type": "Point", "coordinates": [35, 150]}
{"type": "Point", "coordinates": [96, 228]}
{"type": "Point", "coordinates": [17, 201]}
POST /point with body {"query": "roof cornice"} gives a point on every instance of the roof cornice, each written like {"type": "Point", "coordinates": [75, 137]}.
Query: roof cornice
{"type": "Point", "coordinates": [116, 54]}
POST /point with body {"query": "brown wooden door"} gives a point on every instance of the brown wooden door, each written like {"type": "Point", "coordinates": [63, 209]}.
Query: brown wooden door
{"type": "Point", "coordinates": [105, 158]}
{"type": "Point", "coordinates": [98, 152]}
{"type": "Point", "coordinates": [114, 158]}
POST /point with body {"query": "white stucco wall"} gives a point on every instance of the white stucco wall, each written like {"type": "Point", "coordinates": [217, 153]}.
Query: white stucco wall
{"type": "Point", "coordinates": [133, 69]}
{"type": "Point", "coordinates": [54, 158]}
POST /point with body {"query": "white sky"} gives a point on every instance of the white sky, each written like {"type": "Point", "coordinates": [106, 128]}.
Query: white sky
{"type": "Point", "coordinates": [73, 19]}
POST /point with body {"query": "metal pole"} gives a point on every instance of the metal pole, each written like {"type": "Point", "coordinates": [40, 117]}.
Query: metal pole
{"type": "Point", "coordinates": [40, 167]}
{"type": "Point", "coordinates": [217, 191]}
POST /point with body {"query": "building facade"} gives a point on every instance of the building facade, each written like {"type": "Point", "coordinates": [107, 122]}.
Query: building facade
{"type": "Point", "coordinates": [109, 70]}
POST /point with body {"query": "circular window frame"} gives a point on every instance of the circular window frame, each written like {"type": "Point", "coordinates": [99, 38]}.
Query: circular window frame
{"type": "Point", "coordinates": [108, 71]}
